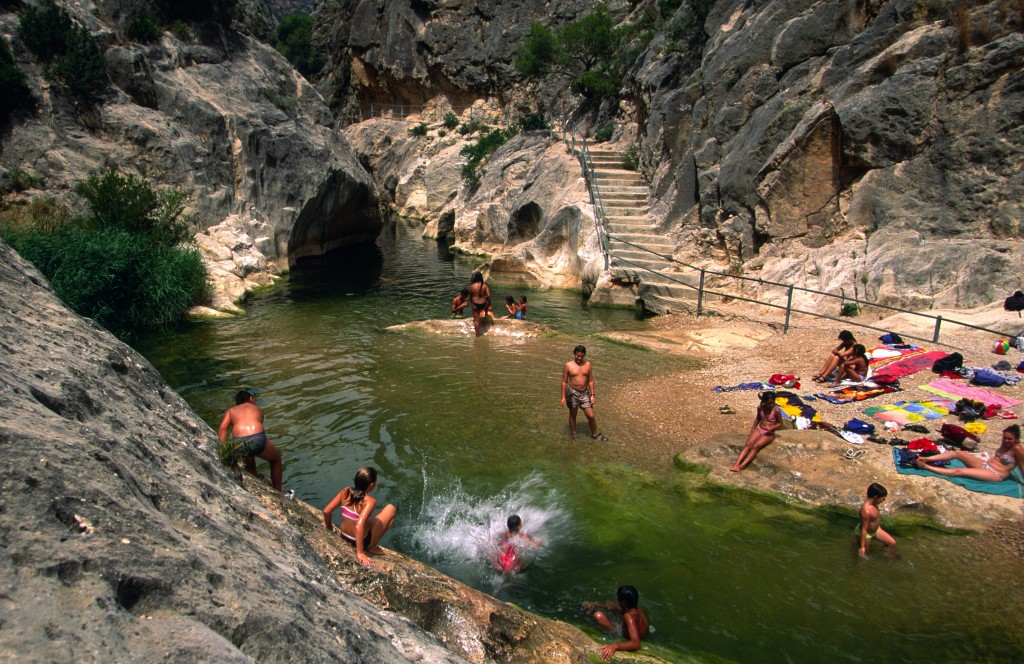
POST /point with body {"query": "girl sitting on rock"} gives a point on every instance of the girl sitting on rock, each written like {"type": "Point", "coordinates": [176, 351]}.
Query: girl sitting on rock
{"type": "Point", "coordinates": [358, 525]}
{"type": "Point", "coordinates": [762, 432]}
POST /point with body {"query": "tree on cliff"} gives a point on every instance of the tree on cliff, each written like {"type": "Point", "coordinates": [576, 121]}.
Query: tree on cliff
{"type": "Point", "coordinates": [295, 42]}
{"type": "Point", "coordinates": [124, 263]}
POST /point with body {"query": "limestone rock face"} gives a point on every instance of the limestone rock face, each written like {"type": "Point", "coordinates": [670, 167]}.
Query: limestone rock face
{"type": "Point", "coordinates": [126, 539]}
{"type": "Point", "coordinates": [221, 116]}
{"type": "Point", "coordinates": [862, 147]}
{"type": "Point", "coordinates": [529, 216]}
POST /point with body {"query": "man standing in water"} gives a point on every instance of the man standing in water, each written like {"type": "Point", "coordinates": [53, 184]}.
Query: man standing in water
{"type": "Point", "coordinates": [245, 419]}
{"type": "Point", "coordinates": [578, 391]}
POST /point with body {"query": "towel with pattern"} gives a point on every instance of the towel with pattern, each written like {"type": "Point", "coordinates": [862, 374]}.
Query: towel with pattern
{"type": "Point", "coordinates": [908, 412]}
{"type": "Point", "coordinates": [793, 406]}
{"type": "Point", "coordinates": [851, 394]}
{"type": "Point", "coordinates": [881, 356]}
{"type": "Point", "coordinates": [956, 391]}
{"type": "Point", "coordinates": [743, 386]}
{"type": "Point", "coordinates": [907, 365]}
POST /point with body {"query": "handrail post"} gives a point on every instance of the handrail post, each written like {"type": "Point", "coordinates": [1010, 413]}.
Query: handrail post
{"type": "Point", "coordinates": [938, 324]}
{"type": "Point", "coordinates": [700, 294]}
{"type": "Point", "coordinates": [789, 309]}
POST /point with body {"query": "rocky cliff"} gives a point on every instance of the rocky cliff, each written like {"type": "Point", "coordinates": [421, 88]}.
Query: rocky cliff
{"type": "Point", "coordinates": [871, 148]}
{"type": "Point", "coordinates": [125, 539]}
{"type": "Point", "coordinates": [211, 110]}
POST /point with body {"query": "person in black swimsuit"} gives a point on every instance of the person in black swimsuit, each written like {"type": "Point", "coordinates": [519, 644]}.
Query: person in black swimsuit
{"type": "Point", "coordinates": [480, 299]}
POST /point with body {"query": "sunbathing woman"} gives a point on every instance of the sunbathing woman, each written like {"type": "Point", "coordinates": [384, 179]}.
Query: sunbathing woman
{"type": "Point", "coordinates": [838, 355]}
{"type": "Point", "coordinates": [854, 368]}
{"type": "Point", "coordinates": [996, 469]}
{"type": "Point", "coordinates": [762, 433]}
{"type": "Point", "coordinates": [358, 525]}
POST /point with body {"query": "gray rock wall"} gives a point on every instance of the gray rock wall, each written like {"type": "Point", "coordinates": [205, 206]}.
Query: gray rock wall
{"type": "Point", "coordinates": [125, 539]}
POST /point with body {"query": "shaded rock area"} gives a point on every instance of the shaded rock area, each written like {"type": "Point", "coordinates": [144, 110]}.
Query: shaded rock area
{"type": "Point", "coordinates": [529, 217]}
{"type": "Point", "coordinates": [499, 327]}
{"type": "Point", "coordinates": [218, 114]}
{"type": "Point", "coordinates": [125, 539]}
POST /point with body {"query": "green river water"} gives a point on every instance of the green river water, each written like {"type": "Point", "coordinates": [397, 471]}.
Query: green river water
{"type": "Point", "coordinates": [466, 431]}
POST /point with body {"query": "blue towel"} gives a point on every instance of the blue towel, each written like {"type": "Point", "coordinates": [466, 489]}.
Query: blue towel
{"type": "Point", "coordinates": [1012, 487]}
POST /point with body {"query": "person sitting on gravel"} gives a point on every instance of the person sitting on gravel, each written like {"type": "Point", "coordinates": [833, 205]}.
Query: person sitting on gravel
{"type": "Point", "coordinates": [1009, 455]}
{"type": "Point", "coordinates": [768, 418]}
{"type": "Point", "coordinates": [838, 355]}
{"type": "Point", "coordinates": [854, 368]}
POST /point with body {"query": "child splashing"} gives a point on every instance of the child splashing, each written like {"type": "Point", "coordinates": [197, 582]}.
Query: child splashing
{"type": "Point", "coordinates": [510, 558]}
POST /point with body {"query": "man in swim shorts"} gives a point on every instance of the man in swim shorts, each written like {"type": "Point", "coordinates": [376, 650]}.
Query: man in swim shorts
{"type": "Point", "coordinates": [578, 391]}
{"type": "Point", "coordinates": [245, 420]}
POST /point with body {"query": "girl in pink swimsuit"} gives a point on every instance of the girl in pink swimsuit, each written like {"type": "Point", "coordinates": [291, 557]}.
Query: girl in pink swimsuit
{"type": "Point", "coordinates": [358, 525]}
{"type": "Point", "coordinates": [762, 431]}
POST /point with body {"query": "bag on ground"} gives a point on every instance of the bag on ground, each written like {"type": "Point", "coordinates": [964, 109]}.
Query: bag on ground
{"type": "Point", "coordinates": [1015, 302]}
{"type": "Point", "coordinates": [986, 378]}
{"type": "Point", "coordinates": [948, 363]}
{"type": "Point", "coordinates": [859, 426]}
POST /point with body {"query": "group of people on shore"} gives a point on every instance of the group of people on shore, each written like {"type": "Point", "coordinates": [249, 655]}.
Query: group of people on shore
{"type": "Point", "coordinates": [478, 297]}
{"type": "Point", "coordinates": [848, 360]}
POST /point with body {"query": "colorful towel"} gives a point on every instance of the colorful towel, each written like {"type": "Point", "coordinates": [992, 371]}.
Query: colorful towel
{"type": "Point", "coordinates": [1012, 487]}
{"type": "Point", "coordinates": [743, 386]}
{"type": "Point", "coordinates": [906, 365]}
{"type": "Point", "coordinates": [793, 406]}
{"type": "Point", "coordinates": [908, 412]}
{"type": "Point", "coordinates": [851, 394]}
{"type": "Point", "coordinates": [891, 355]}
{"type": "Point", "coordinates": [956, 391]}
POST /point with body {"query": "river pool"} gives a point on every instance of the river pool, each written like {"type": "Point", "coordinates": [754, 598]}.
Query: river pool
{"type": "Point", "coordinates": [466, 431]}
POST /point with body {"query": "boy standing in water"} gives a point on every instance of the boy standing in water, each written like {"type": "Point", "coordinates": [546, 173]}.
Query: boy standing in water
{"type": "Point", "coordinates": [627, 618]}
{"type": "Point", "coordinates": [578, 391]}
{"type": "Point", "coordinates": [871, 522]}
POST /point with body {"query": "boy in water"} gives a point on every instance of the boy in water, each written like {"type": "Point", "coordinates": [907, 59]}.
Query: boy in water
{"type": "Point", "coordinates": [459, 303]}
{"type": "Point", "coordinates": [627, 618]}
{"type": "Point", "coordinates": [509, 561]}
{"type": "Point", "coordinates": [870, 521]}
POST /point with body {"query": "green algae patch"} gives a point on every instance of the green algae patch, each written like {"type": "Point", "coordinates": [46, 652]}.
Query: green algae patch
{"type": "Point", "coordinates": [691, 467]}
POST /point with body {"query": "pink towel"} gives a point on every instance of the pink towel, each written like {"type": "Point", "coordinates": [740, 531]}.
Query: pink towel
{"type": "Point", "coordinates": [954, 390]}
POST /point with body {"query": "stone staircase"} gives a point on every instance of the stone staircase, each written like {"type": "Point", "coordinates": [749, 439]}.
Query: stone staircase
{"type": "Point", "coordinates": [633, 236]}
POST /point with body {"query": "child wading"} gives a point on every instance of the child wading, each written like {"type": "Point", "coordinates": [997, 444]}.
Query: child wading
{"type": "Point", "coordinates": [624, 617]}
{"type": "Point", "coordinates": [870, 522]}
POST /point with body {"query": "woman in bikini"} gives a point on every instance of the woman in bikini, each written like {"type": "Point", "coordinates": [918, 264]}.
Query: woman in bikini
{"type": "Point", "coordinates": [762, 432]}
{"type": "Point", "coordinates": [480, 300]}
{"type": "Point", "coordinates": [513, 308]}
{"type": "Point", "coordinates": [839, 355]}
{"type": "Point", "coordinates": [1009, 455]}
{"type": "Point", "coordinates": [358, 525]}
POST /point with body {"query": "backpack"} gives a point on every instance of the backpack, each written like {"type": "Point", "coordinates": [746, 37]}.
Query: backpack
{"type": "Point", "coordinates": [957, 434]}
{"type": "Point", "coordinates": [986, 378]}
{"type": "Point", "coordinates": [890, 338]}
{"type": "Point", "coordinates": [859, 426]}
{"type": "Point", "coordinates": [969, 410]}
{"type": "Point", "coordinates": [1015, 302]}
{"type": "Point", "coordinates": [948, 363]}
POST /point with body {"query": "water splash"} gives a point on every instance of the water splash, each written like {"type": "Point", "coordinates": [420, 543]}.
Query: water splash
{"type": "Point", "coordinates": [461, 532]}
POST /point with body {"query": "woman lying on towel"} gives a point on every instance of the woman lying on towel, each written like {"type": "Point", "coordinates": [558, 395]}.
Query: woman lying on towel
{"type": "Point", "coordinates": [836, 358]}
{"type": "Point", "coordinates": [996, 469]}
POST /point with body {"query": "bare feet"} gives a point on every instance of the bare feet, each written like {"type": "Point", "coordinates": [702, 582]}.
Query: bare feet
{"type": "Point", "coordinates": [375, 551]}
{"type": "Point", "coordinates": [735, 469]}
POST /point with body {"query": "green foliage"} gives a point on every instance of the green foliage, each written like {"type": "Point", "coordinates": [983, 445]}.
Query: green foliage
{"type": "Point", "coordinates": [287, 104]}
{"type": "Point", "coordinates": [850, 309]}
{"type": "Point", "coordinates": [20, 180]}
{"type": "Point", "coordinates": [230, 452]}
{"type": "Point", "coordinates": [295, 42]}
{"type": "Point", "coordinates": [532, 122]}
{"type": "Point", "coordinates": [180, 30]}
{"type": "Point", "coordinates": [471, 127]}
{"type": "Point", "coordinates": [419, 130]}
{"type": "Point", "coordinates": [451, 121]}
{"type": "Point", "coordinates": [604, 134]}
{"type": "Point", "coordinates": [441, 133]}
{"type": "Point", "coordinates": [72, 56]}
{"type": "Point", "coordinates": [686, 30]}
{"type": "Point", "coordinates": [480, 150]}
{"type": "Point", "coordinates": [122, 266]}
{"type": "Point", "coordinates": [143, 28]}
{"type": "Point", "coordinates": [196, 10]}
{"type": "Point", "coordinates": [14, 92]}
{"type": "Point", "coordinates": [129, 203]}
{"type": "Point", "coordinates": [631, 158]}
{"type": "Point", "coordinates": [586, 51]}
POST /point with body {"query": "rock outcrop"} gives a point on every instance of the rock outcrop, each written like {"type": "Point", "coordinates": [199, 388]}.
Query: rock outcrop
{"type": "Point", "coordinates": [217, 114]}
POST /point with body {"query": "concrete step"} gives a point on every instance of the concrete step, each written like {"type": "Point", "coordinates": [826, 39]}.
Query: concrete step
{"type": "Point", "coordinates": [642, 262]}
{"type": "Point", "coordinates": [628, 211]}
{"type": "Point", "coordinates": [617, 174]}
{"type": "Point", "coordinates": [624, 197]}
{"type": "Point", "coordinates": [649, 240]}
{"type": "Point", "coordinates": [631, 225]}
{"type": "Point", "coordinates": [604, 183]}
{"type": "Point", "coordinates": [619, 246]}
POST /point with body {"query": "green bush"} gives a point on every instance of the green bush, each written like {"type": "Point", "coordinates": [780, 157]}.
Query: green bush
{"type": "Point", "coordinates": [20, 180]}
{"type": "Point", "coordinates": [295, 42]}
{"type": "Point", "coordinates": [143, 28]}
{"type": "Point", "coordinates": [14, 92]}
{"type": "Point", "coordinates": [480, 150]}
{"type": "Point", "coordinates": [471, 127]}
{"type": "Point", "coordinates": [419, 130]}
{"type": "Point", "coordinates": [532, 122]}
{"type": "Point", "coordinates": [451, 121]}
{"type": "Point", "coordinates": [45, 30]}
{"type": "Point", "coordinates": [180, 30]}
{"type": "Point", "coordinates": [604, 133]}
{"type": "Point", "coordinates": [128, 202]}
{"type": "Point", "coordinates": [441, 133]}
{"type": "Point", "coordinates": [850, 309]}
{"type": "Point", "coordinates": [631, 158]}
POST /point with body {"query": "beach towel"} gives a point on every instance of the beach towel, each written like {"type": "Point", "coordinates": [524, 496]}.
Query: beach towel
{"type": "Point", "coordinates": [792, 406]}
{"type": "Point", "coordinates": [908, 412]}
{"type": "Point", "coordinates": [956, 391]}
{"type": "Point", "coordinates": [1012, 487]}
{"type": "Point", "coordinates": [907, 365]}
{"type": "Point", "coordinates": [851, 394]}
{"type": "Point", "coordinates": [881, 356]}
{"type": "Point", "coordinates": [743, 386]}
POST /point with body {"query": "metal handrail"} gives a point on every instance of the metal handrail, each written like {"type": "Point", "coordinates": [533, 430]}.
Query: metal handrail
{"type": "Point", "coordinates": [790, 310]}
{"type": "Point", "coordinates": [587, 165]}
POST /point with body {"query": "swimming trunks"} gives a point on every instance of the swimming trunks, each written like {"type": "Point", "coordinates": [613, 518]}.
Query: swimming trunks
{"type": "Point", "coordinates": [252, 444]}
{"type": "Point", "coordinates": [576, 399]}
{"type": "Point", "coordinates": [867, 535]}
